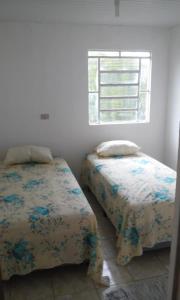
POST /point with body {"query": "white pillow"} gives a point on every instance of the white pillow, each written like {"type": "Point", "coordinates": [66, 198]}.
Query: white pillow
{"type": "Point", "coordinates": [18, 155]}
{"type": "Point", "coordinates": [119, 147]}
{"type": "Point", "coordinates": [25, 154]}
{"type": "Point", "coordinates": [41, 154]}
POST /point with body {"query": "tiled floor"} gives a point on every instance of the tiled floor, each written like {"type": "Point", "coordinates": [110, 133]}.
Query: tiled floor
{"type": "Point", "coordinates": [71, 282]}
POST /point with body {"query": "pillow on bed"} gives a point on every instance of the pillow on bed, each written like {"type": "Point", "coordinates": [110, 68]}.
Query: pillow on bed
{"type": "Point", "coordinates": [119, 147]}
{"type": "Point", "coordinates": [41, 154]}
{"type": "Point", "coordinates": [25, 154]}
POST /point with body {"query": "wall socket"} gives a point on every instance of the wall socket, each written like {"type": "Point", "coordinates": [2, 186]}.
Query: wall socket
{"type": "Point", "coordinates": [44, 116]}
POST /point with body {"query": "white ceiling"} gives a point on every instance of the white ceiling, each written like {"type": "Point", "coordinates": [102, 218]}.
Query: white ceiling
{"type": "Point", "coordinates": [132, 12]}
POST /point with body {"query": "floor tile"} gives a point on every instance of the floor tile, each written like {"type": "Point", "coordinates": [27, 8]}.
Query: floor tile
{"type": "Point", "coordinates": [106, 229]}
{"type": "Point", "coordinates": [90, 294]}
{"type": "Point", "coordinates": [117, 274]}
{"type": "Point", "coordinates": [34, 286]}
{"type": "Point", "coordinates": [164, 257]}
{"type": "Point", "coordinates": [145, 266]}
{"type": "Point", "coordinates": [65, 297]}
{"type": "Point", "coordinates": [109, 248]}
{"type": "Point", "coordinates": [70, 280]}
{"type": "Point", "coordinates": [102, 292]}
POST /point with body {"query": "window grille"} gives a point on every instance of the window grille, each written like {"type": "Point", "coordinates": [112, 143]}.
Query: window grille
{"type": "Point", "coordinates": [119, 86]}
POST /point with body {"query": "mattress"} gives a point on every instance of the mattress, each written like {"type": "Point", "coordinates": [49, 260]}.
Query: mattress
{"type": "Point", "coordinates": [137, 193]}
{"type": "Point", "coordinates": [45, 220]}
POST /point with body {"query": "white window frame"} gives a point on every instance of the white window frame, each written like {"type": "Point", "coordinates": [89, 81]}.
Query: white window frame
{"type": "Point", "coordinates": [147, 120]}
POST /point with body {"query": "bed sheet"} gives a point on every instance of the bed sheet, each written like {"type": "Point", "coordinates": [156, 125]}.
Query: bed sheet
{"type": "Point", "coordinates": [137, 193]}
{"type": "Point", "coordinates": [45, 220]}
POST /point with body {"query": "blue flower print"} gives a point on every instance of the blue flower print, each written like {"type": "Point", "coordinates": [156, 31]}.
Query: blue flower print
{"type": "Point", "coordinates": [37, 212]}
{"type": "Point", "coordinates": [93, 257]}
{"type": "Point", "coordinates": [64, 170]}
{"type": "Point", "coordinates": [34, 218]}
{"type": "Point", "coordinates": [32, 184]}
{"type": "Point", "coordinates": [4, 223]}
{"type": "Point", "coordinates": [44, 211]}
{"type": "Point", "coordinates": [20, 252]}
{"type": "Point", "coordinates": [98, 168]}
{"type": "Point", "coordinates": [137, 171]}
{"type": "Point", "coordinates": [161, 195]}
{"type": "Point", "coordinates": [144, 161]}
{"type": "Point", "coordinates": [119, 223]}
{"type": "Point", "coordinates": [169, 180]}
{"type": "Point", "coordinates": [91, 240]}
{"type": "Point", "coordinates": [102, 191]}
{"type": "Point", "coordinates": [39, 218]}
{"type": "Point", "coordinates": [13, 199]}
{"type": "Point", "coordinates": [12, 177]}
{"type": "Point", "coordinates": [76, 191]}
{"type": "Point", "coordinates": [114, 189]}
{"type": "Point", "coordinates": [158, 219]}
{"type": "Point", "coordinates": [132, 235]}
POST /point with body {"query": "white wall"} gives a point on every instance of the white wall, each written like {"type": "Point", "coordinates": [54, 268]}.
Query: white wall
{"type": "Point", "coordinates": [173, 108]}
{"type": "Point", "coordinates": [43, 68]}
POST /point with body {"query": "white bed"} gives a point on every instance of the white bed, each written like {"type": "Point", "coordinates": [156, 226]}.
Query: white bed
{"type": "Point", "coordinates": [137, 193]}
{"type": "Point", "coordinates": [45, 220]}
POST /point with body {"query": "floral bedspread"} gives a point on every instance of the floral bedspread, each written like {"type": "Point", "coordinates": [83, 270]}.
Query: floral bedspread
{"type": "Point", "coordinates": [45, 220]}
{"type": "Point", "coordinates": [137, 194]}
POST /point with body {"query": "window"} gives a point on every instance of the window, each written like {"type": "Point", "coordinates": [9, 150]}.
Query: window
{"type": "Point", "coordinates": [119, 85]}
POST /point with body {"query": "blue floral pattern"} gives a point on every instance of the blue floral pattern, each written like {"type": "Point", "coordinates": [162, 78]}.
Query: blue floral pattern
{"type": "Point", "coordinates": [12, 176]}
{"type": "Point", "coordinates": [33, 184]}
{"type": "Point", "coordinates": [45, 220]}
{"type": "Point", "coordinates": [20, 252]}
{"type": "Point", "coordinates": [12, 199]}
{"type": "Point", "coordinates": [137, 194]}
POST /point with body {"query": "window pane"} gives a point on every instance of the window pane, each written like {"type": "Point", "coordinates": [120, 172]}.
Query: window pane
{"type": "Point", "coordinates": [145, 74]}
{"type": "Point", "coordinates": [119, 91]}
{"type": "Point", "coordinates": [118, 103]}
{"type": "Point", "coordinates": [119, 78]}
{"type": "Point", "coordinates": [103, 53]}
{"type": "Point", "coordinates": [144, 107]}
{"type": "Point", "coordinates": [93, 108]}
{"type": "Point", "coordinates": [135, 54]}
{"type": "Point", "coordinates": [119, 64]}
{"type": "Point", "coordinates": [123, 93]}
{"type": "Point", "coordinates": [117, 116]}
{"type": "Point", "coordinates": [93, 74]}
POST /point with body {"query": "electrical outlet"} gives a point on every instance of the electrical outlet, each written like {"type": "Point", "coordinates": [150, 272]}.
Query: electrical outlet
{"type": "Point", "coordinates": [44, 116]}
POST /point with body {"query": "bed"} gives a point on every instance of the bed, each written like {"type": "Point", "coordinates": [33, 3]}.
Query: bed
{"type": "Point", "coordinates": [137, 194]}
{"type": "Point", "coordinates": [45, 220]}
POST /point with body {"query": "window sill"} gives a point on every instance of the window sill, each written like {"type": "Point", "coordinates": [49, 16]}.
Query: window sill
{"type": "Point", "coordinates": [120, 123]}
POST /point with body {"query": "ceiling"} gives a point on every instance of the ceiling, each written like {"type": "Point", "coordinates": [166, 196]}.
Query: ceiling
{"type": "Point", "coordinates": [132, 12]}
